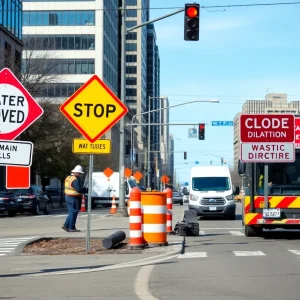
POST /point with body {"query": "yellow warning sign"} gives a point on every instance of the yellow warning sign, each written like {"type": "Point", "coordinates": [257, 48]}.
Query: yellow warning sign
{"type": "Point", "coordinates": [93, 109]}
{"type": "Point", "coordinates": [85, 147]}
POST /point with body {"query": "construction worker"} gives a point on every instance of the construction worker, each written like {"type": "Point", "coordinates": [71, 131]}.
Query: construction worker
{"type": "Point", "coordinates": [73, 195]}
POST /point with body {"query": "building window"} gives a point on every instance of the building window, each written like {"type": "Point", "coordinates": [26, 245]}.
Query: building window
{"type": "Point", "coordinates": [130, 92]}
{"type": "Point", "coordinates": [131, 47]}
{"type": "Point", "coordinates": [59, 18]}
{"type": "Point", "coordinates": [131, 36]}
{"type": "Point", "coordinates": [130, 24]}
{"type": "Point", "coordinates": [131, 58]}
{"type": "Point", "coordinates": [57, 89]}
{"type": "Point", "coordinates": [61, 66]}
{"type": "Point", "coordinates": [131, 13]}
{"type": "Point", "coordinates": [131, 81]}
{"type": "Point", "coordinates": [59, 42]}
{"type": "Point", "coordinates": [131, 70]}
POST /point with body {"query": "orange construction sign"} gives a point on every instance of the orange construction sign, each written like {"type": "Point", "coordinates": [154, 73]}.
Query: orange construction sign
{"type": "Point", "coordinates": [165, 179]}
{"type": "Point", "coordinates": [108, 172]}
{"type": "Point", "coordinates": [17, 177]}
{"type": "Point", "coordinates": [127, 172]}
{"type": "Point", "coordinates": [138, 175]}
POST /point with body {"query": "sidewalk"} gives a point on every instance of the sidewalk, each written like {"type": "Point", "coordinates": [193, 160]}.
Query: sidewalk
{"type": "Point", "coordinates": [102, 226]}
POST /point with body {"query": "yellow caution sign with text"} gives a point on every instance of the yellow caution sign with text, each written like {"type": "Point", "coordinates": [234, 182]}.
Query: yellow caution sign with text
{"type": "Point", "coordinates": [83, 146]}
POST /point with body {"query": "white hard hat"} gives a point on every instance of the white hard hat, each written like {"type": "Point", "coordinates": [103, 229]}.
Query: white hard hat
{"type": "Point", "coordinates": [78, 169]}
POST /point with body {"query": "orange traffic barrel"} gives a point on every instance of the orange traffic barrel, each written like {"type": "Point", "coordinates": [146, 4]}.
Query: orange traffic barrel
{"type": "Point", "coordinates": [169, 209]}
{"type": "Point", "coordinates": [154, 218]}
{"type": "Point", "coordinates": [135, 220]}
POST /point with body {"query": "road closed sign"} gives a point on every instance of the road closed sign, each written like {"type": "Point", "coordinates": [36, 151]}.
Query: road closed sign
{"type": "Point", "coordinates": [18, 110]}
{"type": "Point", "coordinates": [264, 128]}
{"type": "Point", "coordinates": [93, 109]}
{"type": "Point", "coordinates": [268, 152]}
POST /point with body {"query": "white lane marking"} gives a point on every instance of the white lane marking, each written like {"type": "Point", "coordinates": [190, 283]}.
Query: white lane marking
{"type": "Point", "coordinates": [58, 216]}
{"type": "Point", "coordinates": [193, 255]}
{"type": "Point", "coordinates": [5, 251]}
{"type": "Point", "coordinates": [4, 248]}
{"type": "Point", "coordinates": [2, 254]}
{"type": "Point", "coordinates": [297, 252]}
{"type": "Point", "coordinates": [237, 233]}
{"type": "Point", "coordinates": [8, 245]}
{"type": "Point", "coordinates": [248, 253]}
{"type": "Point", "coordinates": [141, 286]}
{"type": "Point", "coordinates": [17, 239]}
{"type": "Point", "coordinates": [201, 232]}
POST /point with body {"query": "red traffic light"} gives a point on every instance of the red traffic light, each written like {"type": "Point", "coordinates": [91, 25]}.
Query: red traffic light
{"type": "Point", "coordinates": [201, 126]}
{"type": "Point", "coordinates": [192, 12]}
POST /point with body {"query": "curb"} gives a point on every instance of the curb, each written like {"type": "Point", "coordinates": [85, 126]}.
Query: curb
{"type": "Point", "coordinates": [135, 263]}
{"type": "Point", "coordinates": [20, 248]}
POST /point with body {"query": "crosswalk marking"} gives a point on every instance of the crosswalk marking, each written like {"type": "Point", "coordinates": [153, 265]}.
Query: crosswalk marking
{"type": "Point", "coordinates": [193, 255]}
{"type": "Point", "coordinates": [237, 233]}
{"type": "Point", "coordinates": [201, 232]}
{"type": "Point", "coordinates": [7, 245]}
{"type": "Point", "coordinates": [297, 252]}
{"type": "Point", "coordinates": [248, 253]}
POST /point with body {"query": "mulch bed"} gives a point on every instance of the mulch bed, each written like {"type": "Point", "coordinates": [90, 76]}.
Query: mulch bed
{"type": "Point", "coordinates": [73, 246]}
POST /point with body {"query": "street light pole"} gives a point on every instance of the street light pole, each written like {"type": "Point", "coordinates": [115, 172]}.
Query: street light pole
{"type": "Point", "coordinates": [222, 159]}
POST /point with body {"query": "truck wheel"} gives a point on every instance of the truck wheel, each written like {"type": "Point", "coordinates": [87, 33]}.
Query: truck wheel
{"type": "Point", "coordinates": [251, 231]}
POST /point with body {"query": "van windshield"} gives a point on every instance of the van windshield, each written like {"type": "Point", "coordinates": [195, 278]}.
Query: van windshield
{"type": "Point", "coordinates": [210, 184]}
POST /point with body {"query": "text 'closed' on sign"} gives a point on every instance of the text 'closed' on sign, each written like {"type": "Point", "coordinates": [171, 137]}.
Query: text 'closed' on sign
{"type": "Point", "coordinates": [85, 147]}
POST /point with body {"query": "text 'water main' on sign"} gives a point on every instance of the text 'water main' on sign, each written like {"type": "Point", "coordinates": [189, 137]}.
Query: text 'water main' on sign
{"type": "Point", "coordinates": [93, 109]}
{"type": "Point", "coordinates": [85, 147]}
{"type": "Point", "coordinates": [267, 152]}
{"type": "Point", "coordinates": [267, 128]}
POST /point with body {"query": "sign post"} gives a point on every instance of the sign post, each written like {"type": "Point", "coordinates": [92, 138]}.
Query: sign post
{"type": "Point", "coordinates": [93, 109]}
{"type": "Point", "coordinates": [18, 111]}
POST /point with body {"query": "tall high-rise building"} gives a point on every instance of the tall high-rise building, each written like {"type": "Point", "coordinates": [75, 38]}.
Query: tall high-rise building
{"type": "Point", "coordinates": [10, 44]}
{"type": "Point", "coordinates": [273, 104]}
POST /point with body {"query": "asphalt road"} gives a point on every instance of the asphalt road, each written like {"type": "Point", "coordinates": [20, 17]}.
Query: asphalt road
{"type": "Point", "coordinates": [221, 263]}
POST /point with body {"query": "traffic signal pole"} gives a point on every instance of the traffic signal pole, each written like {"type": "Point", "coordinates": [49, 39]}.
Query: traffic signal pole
{"type": "Point", "coordinates": [122, 211]}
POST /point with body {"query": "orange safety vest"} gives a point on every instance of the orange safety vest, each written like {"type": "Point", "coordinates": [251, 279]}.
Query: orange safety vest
{"type": "Point", "coordinates": [69, 190]}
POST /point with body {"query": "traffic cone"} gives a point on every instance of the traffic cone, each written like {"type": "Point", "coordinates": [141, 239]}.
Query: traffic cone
{"type": "Point", "coordinates": [113, 209]}
{"type": "Point", "coordinates": [82, 208]}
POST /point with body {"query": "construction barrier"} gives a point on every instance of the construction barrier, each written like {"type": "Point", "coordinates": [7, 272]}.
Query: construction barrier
{"type": "Point", "coordinates": [154, 217]}
{"type": "Point", "coordinates": [82, 208]}
{"type": "Point", "coordinates": [135, 219]}
{"type": "Point", "coordinates": [169, 209]}
{"type": "Point", "coordinates": [113, 208]}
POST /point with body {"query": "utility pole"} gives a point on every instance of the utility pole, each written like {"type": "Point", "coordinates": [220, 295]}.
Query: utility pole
{"type": "Point", "coordinates": [122, 211]}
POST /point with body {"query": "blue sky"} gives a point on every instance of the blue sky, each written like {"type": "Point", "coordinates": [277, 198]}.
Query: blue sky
{"type": "Point", "coordinates": [242, 53]}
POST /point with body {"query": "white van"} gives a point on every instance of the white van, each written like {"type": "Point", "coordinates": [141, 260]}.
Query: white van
{"type": "Point", "coordinates": [211, 192]}
{"type": "Point", "coordinates": [103, 189]}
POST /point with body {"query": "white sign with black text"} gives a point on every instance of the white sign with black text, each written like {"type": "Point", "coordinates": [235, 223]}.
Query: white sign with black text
{"type": "Point", "coordinates": [15, 153]}
{"type": "Point", "coordinates": [268, 152]}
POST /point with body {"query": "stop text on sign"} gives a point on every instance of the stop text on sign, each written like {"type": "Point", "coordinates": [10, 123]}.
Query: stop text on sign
{"type": "Point", "coordinates": [267, 152]}
{"type": "Point", "coordinates": [267, 128]}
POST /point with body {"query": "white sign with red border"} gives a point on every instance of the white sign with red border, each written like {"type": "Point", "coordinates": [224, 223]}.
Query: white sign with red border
{"type": "Point", "coordinates": [297, 133]}
{"type": "Point", "coordinates": [268, 152]}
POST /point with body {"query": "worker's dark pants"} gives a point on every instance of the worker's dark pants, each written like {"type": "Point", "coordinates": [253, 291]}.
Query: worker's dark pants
{"type": "Point", "coordinates": [73, 209]}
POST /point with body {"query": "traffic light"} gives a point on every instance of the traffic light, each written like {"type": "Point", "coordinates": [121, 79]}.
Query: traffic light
{"type": "Point", "coordinates": [201, 133]}
{"type": "Point", "coordinates": [184, 155]}
{"type": "Point", "coordinates": [191, 22]}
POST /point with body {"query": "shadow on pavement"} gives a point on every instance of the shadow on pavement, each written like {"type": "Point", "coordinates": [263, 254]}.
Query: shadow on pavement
{"type": "Point", "coordinates": [281, 235]}
{"type": "Point", "coordinates": [52, 270]}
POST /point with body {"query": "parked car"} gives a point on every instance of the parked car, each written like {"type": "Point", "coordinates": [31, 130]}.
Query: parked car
{"type": "Point", "coordinates": [54, 195]}
{"type": "Point", "coordinates": [177, 197]}
{"type": "Point", "coordinates": [32, 200]}
{"type": "Point", "coordinates": [8, 203]}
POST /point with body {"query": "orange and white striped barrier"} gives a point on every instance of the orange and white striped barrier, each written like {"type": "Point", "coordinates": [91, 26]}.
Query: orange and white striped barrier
{"type": "Point", "coordinates": [135, 219]}
{"type": "Point", "coordinates": [113, 208]}
{"type": "Point", "coordinates": [154, 217]}
{"type": "Point", "coordinates": [169, 209]}
{"type": "Point", "coordinates": [82, 208]}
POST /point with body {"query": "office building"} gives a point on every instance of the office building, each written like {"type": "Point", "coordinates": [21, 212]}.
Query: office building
{"type": "Point", "coordinates": [273, 104]}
